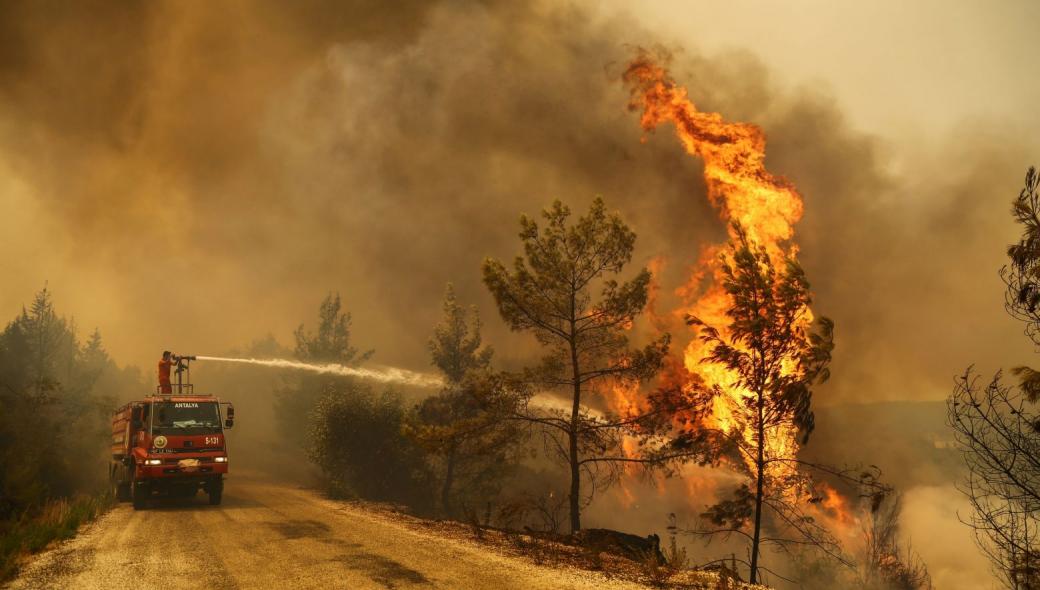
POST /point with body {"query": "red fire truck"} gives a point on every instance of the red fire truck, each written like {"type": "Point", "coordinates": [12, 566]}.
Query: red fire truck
{"type": "Point", "coordinates": [170, 444]}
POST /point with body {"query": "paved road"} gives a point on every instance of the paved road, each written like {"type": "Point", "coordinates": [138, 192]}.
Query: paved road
{"type": "Point", "coordinates": [269, 535]}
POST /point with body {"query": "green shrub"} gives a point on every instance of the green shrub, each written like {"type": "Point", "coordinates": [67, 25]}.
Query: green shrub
{"type": "Point", "coordinates": [358, 442]}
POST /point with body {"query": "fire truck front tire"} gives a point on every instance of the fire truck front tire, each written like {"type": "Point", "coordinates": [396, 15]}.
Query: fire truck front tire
{"type": "Point", "coordinates": [120, 489]}
{"type": "Point", "coordinates": [216, 491]}
{"type": "Point", "coordinates": [139, 492]}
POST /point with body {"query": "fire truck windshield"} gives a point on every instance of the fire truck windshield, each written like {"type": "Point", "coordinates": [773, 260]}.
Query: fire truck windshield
{"type": "Point", "coordinates": [185, 418]}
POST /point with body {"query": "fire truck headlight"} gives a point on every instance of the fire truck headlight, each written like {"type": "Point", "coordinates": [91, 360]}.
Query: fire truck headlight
{"type": "Point", "coordinates": [220, 459]}
{"type": "Point", "coordinates": [153, 462]}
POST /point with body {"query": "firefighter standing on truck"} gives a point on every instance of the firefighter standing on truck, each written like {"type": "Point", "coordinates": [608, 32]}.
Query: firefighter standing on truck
{"type": "Point", "coordinates": [164, 373]}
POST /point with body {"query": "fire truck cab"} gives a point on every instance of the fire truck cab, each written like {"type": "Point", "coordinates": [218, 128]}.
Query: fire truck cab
{"type": "Point", "coordinates": [170, 445]}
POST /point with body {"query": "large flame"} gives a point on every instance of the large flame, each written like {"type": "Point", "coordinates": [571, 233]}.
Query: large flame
{"type": "Point", "coordinates": [767, 207]}
{"type": "Point", "coordinates": [744, 192]}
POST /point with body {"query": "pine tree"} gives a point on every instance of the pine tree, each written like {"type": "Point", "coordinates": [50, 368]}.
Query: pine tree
{"type": "Point", "coordinates": [769, 346]}
{"type": "Point", "coordinates": [466, 427]}
{"type": "Point", "coordinates": [331, 343]}
{"type": "Point", "coordinates": [551, 293]}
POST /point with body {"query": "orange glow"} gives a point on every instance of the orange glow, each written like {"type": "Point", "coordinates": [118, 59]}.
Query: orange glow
{"type": "Point", "coordinates": [836, 505]}
{"type": "Point", "coordinates": [653, 293]}
{"type": "Point", "coordinates": [832, 509]}
{"type": "Point", "coordinates": [743, 191]}
{"type": "Point", "coordinates": [624, 399]}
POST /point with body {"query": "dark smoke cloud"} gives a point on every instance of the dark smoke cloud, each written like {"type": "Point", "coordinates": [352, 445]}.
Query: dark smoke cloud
{"type": "Point", "coordinates": [196, 170]}
{"type": "Point", "coordinates": [249, 159]}
{"type": "Point", "coordinates": [206, 173]}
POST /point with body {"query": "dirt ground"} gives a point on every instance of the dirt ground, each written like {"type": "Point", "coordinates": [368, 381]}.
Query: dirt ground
{"type": "Point", "coordinates": [271, 535]}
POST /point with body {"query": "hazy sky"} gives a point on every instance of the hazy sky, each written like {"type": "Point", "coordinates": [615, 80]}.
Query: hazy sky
{"type": "Point", "coordinates": [193, 176]}
{"type": "Point", "coordinates": [904, 70]}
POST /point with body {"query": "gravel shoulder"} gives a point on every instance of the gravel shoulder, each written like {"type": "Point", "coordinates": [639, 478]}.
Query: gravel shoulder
{"type": "Point", "coordinates": [272, 535]}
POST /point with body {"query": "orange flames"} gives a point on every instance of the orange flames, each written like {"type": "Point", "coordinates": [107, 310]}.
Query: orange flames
{"type": "Point", "coordinates": [837, 507]}
{"type": "Point", "coordinates": [767, 207]}
{"type": "Point", "coordinates": [743, 191]}
{"type": "Point", "coordinates": [734, 157]}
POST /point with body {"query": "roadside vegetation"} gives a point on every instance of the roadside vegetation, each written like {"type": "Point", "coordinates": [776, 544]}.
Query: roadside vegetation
{"type": "Point", "coordinates": [56, 520]}
{"type": "Point", "coordinates": [58, 390]}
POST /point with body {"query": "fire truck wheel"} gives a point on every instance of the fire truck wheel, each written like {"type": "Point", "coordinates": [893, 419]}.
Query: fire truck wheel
{"type": "Point", "coordinates": [113, 484]}
{"type": "Point", "coordinates": [121, 491]}
{"type": "Point", "coordinates": [139, 495]}
{"type": "Point", "coordinates": [216, 490]}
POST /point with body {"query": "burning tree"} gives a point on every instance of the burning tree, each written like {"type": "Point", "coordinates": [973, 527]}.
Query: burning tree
{"type": "Point", "coordinates": [549, 292]}
{"type": "Point", "coordinates": [774, 357]}
{"type": "Point", "coordinates": [998, 427]}
{"type": "Point", "coordinates": [750, 371]}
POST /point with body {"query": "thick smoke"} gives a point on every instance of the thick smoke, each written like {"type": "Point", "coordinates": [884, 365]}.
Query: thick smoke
{"type": "Point", "coordinates": [192, 176]}
{"type": "Point", "coordinates": [207, 173]}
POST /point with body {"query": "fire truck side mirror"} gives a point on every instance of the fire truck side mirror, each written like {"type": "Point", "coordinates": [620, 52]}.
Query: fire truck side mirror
{"type": "Point", "coordinates": [230, 421]}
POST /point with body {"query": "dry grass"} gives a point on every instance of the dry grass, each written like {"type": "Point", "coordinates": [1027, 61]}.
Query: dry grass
{"type": "Point", "coordinates": [554, 550]}
{"type": "Point", "coordinates": [56, 521]}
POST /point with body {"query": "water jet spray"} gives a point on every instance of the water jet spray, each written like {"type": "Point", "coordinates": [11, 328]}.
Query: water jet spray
{"type": "Point", "coordinates": [383, 374]}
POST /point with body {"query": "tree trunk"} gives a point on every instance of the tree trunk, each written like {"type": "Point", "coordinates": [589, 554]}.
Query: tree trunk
{"type": "Point", "coordinates": [760, 464]}
{"type": "Point", "coordinates": [449, 475]}
{"type": "Point", "coordinates": [575, 496]}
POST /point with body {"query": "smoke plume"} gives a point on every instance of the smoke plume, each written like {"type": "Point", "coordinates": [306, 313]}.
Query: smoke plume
{"type": "Point", "coordinates": [251, 158]}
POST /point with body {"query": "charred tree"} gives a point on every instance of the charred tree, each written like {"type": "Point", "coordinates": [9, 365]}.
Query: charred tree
{"type": "Point", "coordinates": [997, 426]}
{"type": "Point", "coordinates": [887, 565]}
